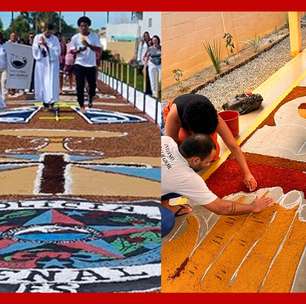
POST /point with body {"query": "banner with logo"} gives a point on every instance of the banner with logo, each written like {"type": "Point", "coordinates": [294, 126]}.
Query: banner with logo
{"type": "Point", "coordinates": [19, 65]}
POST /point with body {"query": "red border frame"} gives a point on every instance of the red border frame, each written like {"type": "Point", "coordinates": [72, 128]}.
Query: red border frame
{"type": "Point", "coordinates": [145, 298]}
{"type": "Point", "coordinates": [156, 5]}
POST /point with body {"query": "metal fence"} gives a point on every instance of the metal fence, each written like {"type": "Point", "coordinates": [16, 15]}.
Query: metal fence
{"type": "Point", "coordinates": [124, 77]}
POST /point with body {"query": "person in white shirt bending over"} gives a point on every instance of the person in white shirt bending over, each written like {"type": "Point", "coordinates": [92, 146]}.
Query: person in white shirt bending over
{"type": "Point", "coordinates": [46, 52]}
{"type": "Point", "coordinates": [85, 45]}
{"type": "Point", "coordinates": [179, 177]}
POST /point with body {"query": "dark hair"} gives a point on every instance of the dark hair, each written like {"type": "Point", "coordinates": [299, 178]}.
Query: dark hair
{"type": "Point", "coordinates": [85, 20]}
{"type": "Point", "coordinates": [199, 116]}
{"type": "Point", "coordinates": [199, 145]}
{"type": "Point", "coordinates": [146, 33]}
{"type": "Point", "coordinates": [158, 39]}
{"type": "Point", "coordinates": [50, 27]}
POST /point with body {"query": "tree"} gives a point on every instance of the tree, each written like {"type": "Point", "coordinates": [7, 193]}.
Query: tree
{"type": "Point", "coordinates": [137, 16]}
{"type": "Point", "coordinates": [27, 22]}
{"type": "Point", "coordinates": [1, 25]}
{"type": "Point", "coordinates": [19, 25]}
{"type": "Point", "coordinates": [38, 19]}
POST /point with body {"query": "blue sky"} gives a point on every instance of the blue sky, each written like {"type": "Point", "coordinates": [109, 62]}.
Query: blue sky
{"type": "Point", "coordinates": [98, 18]}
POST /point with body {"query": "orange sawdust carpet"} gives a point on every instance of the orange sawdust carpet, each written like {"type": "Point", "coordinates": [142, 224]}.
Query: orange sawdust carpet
{"type": "Point", "coordinates": [249, 253]}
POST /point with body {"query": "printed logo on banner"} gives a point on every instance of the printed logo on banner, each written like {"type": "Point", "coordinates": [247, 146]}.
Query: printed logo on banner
{"type": "Point", "coordinates": [20, 66]}
{"type": "Point", "coordinates": [68, 245]}
{"type": "Point", "coordinates": [18, 115]}
{"type": "Point", "coordinates": [18, 62]}
{"type": "Point", "coordinates": [97, 116]}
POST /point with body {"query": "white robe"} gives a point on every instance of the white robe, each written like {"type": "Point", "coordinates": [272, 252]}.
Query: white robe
{"type": "Point", "coordinates": [3, 65]}
{"type": "Point", "coordinates": [46, 80]}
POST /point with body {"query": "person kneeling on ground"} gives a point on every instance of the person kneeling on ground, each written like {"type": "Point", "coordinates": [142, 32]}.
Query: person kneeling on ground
{"type": "Point", "coordinates": [193, 113]}
{"type": "Point", "coordinates": [179, 177]}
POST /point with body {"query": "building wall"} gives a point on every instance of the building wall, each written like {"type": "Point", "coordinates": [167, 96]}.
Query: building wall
{"type": "Point", "coordinates": [123, 29]}
{"type": "Point", "coordinates": [126, 49]}
{"type": "Point", "coordinates": [151, 23]}
{"type": "Point", "coordinates": [183, 35]}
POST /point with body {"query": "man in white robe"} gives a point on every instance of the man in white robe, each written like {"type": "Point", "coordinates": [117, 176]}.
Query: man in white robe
{"type": "Point", "coordinates": [46, 52]}
{"type": "Point", "coordinates": [3, 67]}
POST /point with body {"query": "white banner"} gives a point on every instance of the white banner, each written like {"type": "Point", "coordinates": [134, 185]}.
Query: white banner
{"type": "Point", "coordinates": [19, 65]}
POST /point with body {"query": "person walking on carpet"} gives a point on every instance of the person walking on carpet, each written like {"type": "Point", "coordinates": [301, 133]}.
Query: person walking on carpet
{"type": "Point", "coordinates": [46, 52]}
{"type": "Point", "coordinates": [3, 66]}
{"type": "Point", "coordinates": [85, 46]}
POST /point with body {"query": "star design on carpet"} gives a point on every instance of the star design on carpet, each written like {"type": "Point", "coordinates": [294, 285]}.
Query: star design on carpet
{"type": "Point", "coordinates": [54, 263]}
{"type": "Point", "coordinates": [55, 238]}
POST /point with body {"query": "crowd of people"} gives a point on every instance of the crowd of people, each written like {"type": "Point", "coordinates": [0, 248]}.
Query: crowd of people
{"type": "Point", "coordinates": [149, 59]}
{"type": "Point", "coordinates": [57, 59]}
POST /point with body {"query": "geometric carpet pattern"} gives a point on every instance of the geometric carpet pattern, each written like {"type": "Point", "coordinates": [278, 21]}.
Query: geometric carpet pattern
{"type": "Point", "coordinates": [79, 209]}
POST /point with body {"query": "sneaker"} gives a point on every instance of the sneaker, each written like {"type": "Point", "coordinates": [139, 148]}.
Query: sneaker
{"type": "Point", "coordinates": [83, 110]}
{"type": "Point", "coordinates": [90, 104]}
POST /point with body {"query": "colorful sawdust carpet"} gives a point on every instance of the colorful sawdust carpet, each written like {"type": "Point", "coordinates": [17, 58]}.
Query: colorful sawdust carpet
{"type": "Point", "coordinates": [79, 246]}
{"type": "Point", "coordinates": [262, 252]}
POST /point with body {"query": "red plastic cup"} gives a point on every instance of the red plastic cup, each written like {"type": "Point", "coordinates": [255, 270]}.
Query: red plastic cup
{"type": "Point", "coordinates": [231, 118]}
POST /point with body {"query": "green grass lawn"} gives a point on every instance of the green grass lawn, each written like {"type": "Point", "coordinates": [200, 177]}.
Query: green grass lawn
{"type": "Point", "coordinates": [116, 70]}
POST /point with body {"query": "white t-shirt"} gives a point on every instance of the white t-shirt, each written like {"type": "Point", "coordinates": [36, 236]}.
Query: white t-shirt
{"type": "Point", "coordinates": [142, 49]}
{"type": "Point", "coordinates": [3, 63]}
{"type": "Point", "coordinates": [85, 58]}
{"type": "Point", "coordinates": [178, 177]}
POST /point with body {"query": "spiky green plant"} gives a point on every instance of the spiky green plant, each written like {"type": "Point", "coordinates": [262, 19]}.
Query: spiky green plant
{"type": "Point", "coordinates": [213, 50]}
{"type": "Point", "coordinates": [255, 43]}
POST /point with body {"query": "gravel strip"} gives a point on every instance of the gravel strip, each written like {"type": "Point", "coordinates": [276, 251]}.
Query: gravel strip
{"type": "Point", "coordinates": [251, 75]}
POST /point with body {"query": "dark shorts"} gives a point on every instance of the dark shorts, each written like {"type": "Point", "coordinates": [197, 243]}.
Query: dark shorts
{"type": "Point", "coordinates": [68, 69]}
{"type": "Point", "coordinates": [62, 66]}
